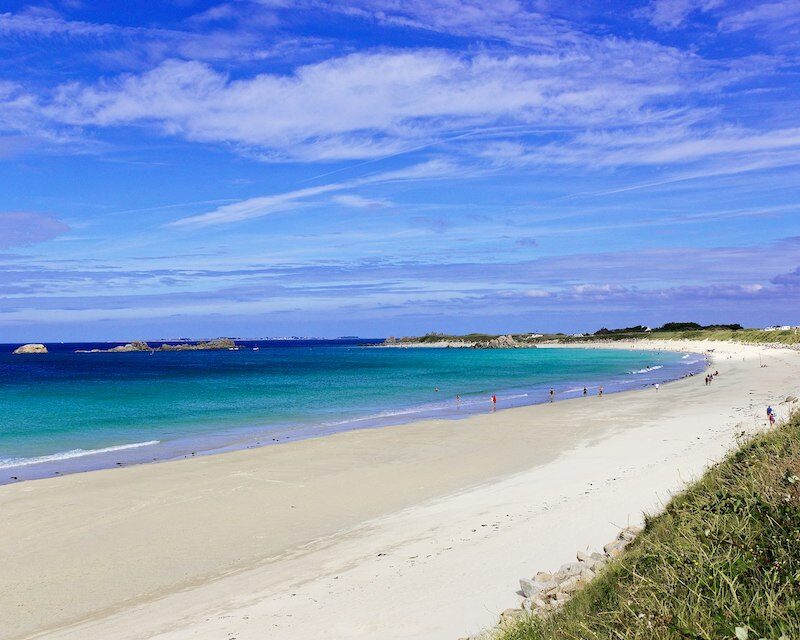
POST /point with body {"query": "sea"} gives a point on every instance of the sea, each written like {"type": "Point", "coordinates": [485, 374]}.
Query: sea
{"type": "Point", "coordinates": [66, 412]}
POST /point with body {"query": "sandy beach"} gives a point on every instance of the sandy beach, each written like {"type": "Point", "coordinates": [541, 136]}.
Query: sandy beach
{"type": "Point", "coordinates": [416, 531]}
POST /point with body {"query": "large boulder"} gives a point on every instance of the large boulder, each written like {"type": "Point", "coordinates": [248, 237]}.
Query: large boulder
{"type": "Point", "coordinates": [34, 347]}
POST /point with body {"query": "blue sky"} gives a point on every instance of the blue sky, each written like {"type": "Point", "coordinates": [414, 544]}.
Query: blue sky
{"type": "Point", "coordinates": [376, 167]}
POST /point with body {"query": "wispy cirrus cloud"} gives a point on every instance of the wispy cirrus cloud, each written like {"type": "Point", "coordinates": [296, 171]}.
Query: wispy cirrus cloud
{"type": "Point", "coordinates": [512, 21]}
{"type": "Point", "coordinates": [773, 15]}
{"type": "Point", "coordinates": [44, 22]}
{"type": "Point", "coordinates": [244, 37]}
{"type": "Point", "coordinates": [353, 201]}
{"type": "Point", "coordinates": [714, 280]}
{"type": "Point", "coordinates": [664, 144]}
{"type": "Point", "coordinates": [671, 14]}
{"type": "Point", "coordinates": [265, 205]}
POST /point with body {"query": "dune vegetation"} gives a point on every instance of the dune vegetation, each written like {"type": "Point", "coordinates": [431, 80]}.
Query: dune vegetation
{"type": "Point", "coordinates": [721, 561]}
{"type": "Point", "coordinates": [671, 331]}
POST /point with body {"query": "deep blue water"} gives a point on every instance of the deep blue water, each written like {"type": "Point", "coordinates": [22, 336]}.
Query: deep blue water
{"type": "Point", "coordinates": [66, 411]}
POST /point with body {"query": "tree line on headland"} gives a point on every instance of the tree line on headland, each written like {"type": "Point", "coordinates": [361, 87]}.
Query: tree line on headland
{"type": "Point", "coordinates": [670, 326]}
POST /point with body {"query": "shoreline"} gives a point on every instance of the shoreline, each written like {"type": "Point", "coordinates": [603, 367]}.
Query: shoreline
{"type": "Point", "coordinates": [366, 527]}
{"type": "Point", "coordinates": [153, 450]}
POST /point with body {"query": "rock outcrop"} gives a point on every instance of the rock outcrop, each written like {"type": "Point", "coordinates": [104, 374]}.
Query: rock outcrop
{"type": "Point", "coordinates": [138, 345]}
{"type": "Point", "coordinates": [210, 345]}
{"type": "Point", "coordinates": [547, 592]}
{"type": "Point", "coordinates": [500, 342]}
{"type": "Point", "coordinates": [34, 347]}
{"type": "Point", "coordinates": [459, 342]}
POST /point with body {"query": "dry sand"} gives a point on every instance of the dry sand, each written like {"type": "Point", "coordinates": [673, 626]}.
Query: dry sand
{"type": "Point", "coordinates": [416, 531]}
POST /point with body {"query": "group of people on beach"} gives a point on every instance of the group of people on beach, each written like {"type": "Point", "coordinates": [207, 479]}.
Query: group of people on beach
{"type": "Point", "coordinates": [552, 394]}
{"type": "Point", "coordinates": [710, 377]}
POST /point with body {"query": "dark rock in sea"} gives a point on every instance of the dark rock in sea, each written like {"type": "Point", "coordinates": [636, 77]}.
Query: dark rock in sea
{"type": "Point", "coordinates": [220, 344]}
{"type": "Point", "coordinates": [209, 345]}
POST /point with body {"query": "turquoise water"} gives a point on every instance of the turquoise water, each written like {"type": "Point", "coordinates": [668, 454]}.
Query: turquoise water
{"type": "Point", "coordinates": [67, 411]}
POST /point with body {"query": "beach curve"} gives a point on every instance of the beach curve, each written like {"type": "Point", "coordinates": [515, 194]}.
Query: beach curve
{"type": "Point", "coordinates": [437, 518]}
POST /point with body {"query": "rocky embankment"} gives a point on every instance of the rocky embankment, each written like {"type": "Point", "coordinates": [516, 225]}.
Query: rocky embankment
{"type": "Point", "coordinates": [547, 592]}
{"type": "Point", "coordinates": [30, 348]}
{"type": "Point", "coordinates": [500, 342]}
{"type": "Point", "coordinates": [138, 345]}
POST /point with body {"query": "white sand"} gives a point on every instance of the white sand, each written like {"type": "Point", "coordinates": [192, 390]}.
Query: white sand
{"type": "Point", "coordinates": [417, 531]}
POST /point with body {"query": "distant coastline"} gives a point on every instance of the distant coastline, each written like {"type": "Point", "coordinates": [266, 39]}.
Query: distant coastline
{"type": "Point", "coordinates": [784, 336]}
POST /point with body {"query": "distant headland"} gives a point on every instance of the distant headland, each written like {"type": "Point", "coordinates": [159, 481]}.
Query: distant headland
{"type": "Point", "coordinates": [788, 335]}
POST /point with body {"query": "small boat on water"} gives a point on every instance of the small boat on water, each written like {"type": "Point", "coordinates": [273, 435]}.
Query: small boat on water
{"type": "Point", "coordinates": [256, 348]}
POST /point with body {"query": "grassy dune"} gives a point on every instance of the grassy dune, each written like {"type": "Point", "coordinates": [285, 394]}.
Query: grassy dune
{"type": "Point", "coordinates": [722, 561]}
{"type": "Point", "coordinates": [748, 336]}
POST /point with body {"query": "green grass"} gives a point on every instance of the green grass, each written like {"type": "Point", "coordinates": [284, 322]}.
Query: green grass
{"type": "Point", "coordinates": [748, 336]}
{"type": "Point", "coordinates": [724, 554]}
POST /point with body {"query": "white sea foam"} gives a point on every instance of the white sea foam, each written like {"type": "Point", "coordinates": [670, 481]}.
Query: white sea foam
{"type": "Point", "coordinates": [648, 369]}
{"type": "Point", "coordinates": [9, 463]}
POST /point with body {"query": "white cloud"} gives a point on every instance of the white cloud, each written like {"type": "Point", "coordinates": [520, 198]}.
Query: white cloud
{"type": "Point", "coordinates": [352, 201]}
{"type": "Point", "coordinates": [536, 293]}
{"type": "Point", "coordinates": [659, 145]}
{"type": "Point", "coordinates": [47, 23]}
{"type": "Point", "coordinates": [266, 205]}
{"type": "Point", "coordinates": [372, 104]}
{"type": "Point", "coordinates": [512, 21]}
{"type": "Point", "coordinates": [671, 14]}
{"type": "Point", "coordinates": [255, 207]}
{"type": "Point", "coordinates": [248, 36]}
{"type": "Point", "coordinates": [773, 15]}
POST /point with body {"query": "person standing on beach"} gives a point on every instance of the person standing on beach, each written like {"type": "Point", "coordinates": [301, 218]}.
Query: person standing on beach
{"type": "Point", "coordinates": [585, 391]}
{"type": "Point", "coordinates": [600, 391]}
{"type": "Point", "coordinates": [656, 386]}
{"type": "Point", "coordinates": [552, 394]}
{"type": "Point", "coordinates": [494, 402]}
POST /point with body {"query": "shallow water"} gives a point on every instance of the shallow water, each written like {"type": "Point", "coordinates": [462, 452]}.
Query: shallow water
{"type": "Point", "coordinates": [67, 411]}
